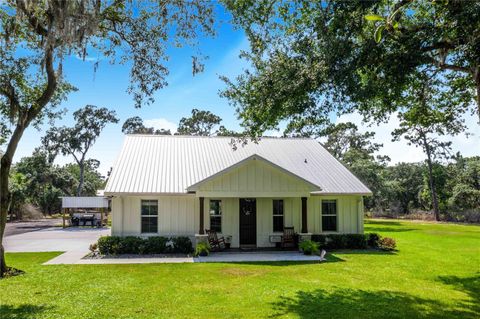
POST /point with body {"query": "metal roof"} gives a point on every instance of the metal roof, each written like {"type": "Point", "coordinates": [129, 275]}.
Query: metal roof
{"type": "Point", "coordinates": [84, 202]}
{"type": "Point", "coordinates": [170, 164]}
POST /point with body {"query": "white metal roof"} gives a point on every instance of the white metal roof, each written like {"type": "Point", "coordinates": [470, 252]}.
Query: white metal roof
{"type": "Point", "coordinates": [84, 202]}
{"type": "Point", "coordinates": [170, 164]}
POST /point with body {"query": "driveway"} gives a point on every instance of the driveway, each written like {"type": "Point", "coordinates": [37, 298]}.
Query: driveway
{"type": "Point", "coordinates": [15, 228]}
{"type": "Point", "coordinates": [54, 239]}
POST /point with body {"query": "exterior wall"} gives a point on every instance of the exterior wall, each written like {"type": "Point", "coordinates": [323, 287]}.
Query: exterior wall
{"type": "Point", "coordinates": [179, 215]}
{"type": "Point", "coordinates": [255, 179]}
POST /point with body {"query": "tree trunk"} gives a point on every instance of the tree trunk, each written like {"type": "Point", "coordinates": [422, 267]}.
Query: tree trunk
{"type": "Point", "coordinates": [5, 165]}
{"type": "Point", "coordinates": [478, 93]}
{"type": "Point", "coordinates": [81, 165]}
{"type": "Point", "coordinates": [431, 181]}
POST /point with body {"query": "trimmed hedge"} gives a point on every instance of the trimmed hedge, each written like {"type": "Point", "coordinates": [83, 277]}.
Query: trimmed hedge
{"type": "Point", "coordinates": [347, 241]}
{"type": "Point", "coordinates": [115, 245]}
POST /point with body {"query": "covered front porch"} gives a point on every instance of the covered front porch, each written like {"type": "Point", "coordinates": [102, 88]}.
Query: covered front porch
{"type": "Point", "coordinates": [253, 222]}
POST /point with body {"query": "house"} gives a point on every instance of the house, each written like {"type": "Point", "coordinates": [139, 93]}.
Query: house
{"type": "Point", "coordinates": [182, 185]}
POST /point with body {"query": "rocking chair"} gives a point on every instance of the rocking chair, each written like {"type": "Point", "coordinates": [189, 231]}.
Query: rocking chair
{"type": "Point", "coordinates": [288, 237]}
{"type": "Point", "coordinates": [215, 242]}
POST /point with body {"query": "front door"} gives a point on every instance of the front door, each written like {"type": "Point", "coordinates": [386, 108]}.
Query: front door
{"type": "Point", "coordinates": [248, 222]}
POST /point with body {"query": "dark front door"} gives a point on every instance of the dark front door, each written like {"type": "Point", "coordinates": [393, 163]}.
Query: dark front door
{"type": "Point", "coordinates": [248, 221]}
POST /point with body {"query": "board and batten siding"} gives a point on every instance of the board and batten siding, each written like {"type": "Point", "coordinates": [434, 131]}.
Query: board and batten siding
{"type": "Point", "coordinates": [179, 215]}
{"type": "Point", "coordinates": [256, 178]}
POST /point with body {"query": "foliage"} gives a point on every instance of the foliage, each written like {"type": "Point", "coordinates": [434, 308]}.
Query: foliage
{"type": "Point", "coordinates": [346, 241]}
{"type": "Point", "coordinates": [36, 180]}
{"type": "Point", "coordinates": [201, 123]}
{"type": "Point", "coordinates": [310, 59]}
{"type": "Point", "coordinates": [37, 36]}
{"type": "Point", "coordinates": [308, 247]}
{"type": "Point", "coordinates": [387, 243]}
{"type": "Point", "coordinates": [76, 141]}
{"type": "Point", "coordinates": [182, 244]}
{"type": "Point", "coordinates": [134, 125]}
{"type": "Point", "coordinates": [202, 249]}
{"type": "Point", "coordinates": [156, 245]}
{"type": "Point", "coordinates": [115, 245]}
{"type": "Point", "coordinates": [349, 285]}
{"type": "Point", "coordinates": [373, 240]}
{"type": "Point", "coordinates": [109, 245]}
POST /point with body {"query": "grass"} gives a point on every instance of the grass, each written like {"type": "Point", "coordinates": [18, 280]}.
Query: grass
{"type": "Point", "coordinates": [434, 274]}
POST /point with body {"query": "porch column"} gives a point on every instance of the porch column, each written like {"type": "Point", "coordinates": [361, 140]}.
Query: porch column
{"type": "Point", "coordinates": [304, 215]}
{"type": "Point", "coordinates": [202, 227]}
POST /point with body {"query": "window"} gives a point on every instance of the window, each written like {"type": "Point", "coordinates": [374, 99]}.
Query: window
{"type": "Point", "coordinates": [329, 215]}
{"type": "Point", "coordinates": [278, 215]}
{"type": "Point", "coordinates": [216, 215]}
{"type": "Point", "coordinates": [149, 216]}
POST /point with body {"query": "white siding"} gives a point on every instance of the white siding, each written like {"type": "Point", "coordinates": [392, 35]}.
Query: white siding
{"type": "Point", "coordinates": [255, 179]}
{"type": "Point", "coordinates": [179, 215]}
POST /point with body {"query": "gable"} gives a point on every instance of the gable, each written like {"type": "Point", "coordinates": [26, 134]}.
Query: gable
{"type": "Point", "coordinates": [254, 177]}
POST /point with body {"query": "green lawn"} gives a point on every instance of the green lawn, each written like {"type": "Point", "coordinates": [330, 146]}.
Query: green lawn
{"type": "Point", "coordinates": [434, 274]}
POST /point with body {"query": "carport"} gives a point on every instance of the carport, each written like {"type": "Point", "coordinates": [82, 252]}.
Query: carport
{"type": "Point", "coordinates": [91, 206]}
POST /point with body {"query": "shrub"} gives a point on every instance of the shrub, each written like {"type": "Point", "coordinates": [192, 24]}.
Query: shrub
{"type": "Point", "coordinates": [387, 243]}
{"type": "Point", "coordinates": [202, 249]}
{"type": "Point", "coordinates": [132, 245]}
{"type": "Point", "coordinates": [355, 241]}
{"type": "Point", "coordinates": [320, 240]}
{"type": "Point", "coordinates": [109, 245]}
{"type": "Point", "coordinates": [309, 247]}
{"type": "Point", "coordinates": [156, 245]}
{"type": "Point", "coordinates": [373, 239]}
{"type": "Point", "coordinates": [336, 241]}
{"type": "Point", "coordinates": [182, 244]}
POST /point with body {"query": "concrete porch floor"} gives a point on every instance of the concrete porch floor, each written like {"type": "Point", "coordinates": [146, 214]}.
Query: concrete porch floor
{"type": "Point", "coordinates": [221, 257]}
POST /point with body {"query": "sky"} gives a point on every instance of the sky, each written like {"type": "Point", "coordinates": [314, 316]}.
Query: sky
{"type": "Point", "coordinates": [107, 88]}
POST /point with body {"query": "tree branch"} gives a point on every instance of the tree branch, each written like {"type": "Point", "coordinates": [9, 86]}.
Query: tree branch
{"type": "Point", "coordinates": [32, 19]}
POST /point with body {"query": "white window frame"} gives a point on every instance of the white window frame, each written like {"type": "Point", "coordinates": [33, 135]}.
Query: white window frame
{"type": "Point", "coordinates": [219, 216]}
{"type": "Point", "coordinates": [277, 215]}
{"type": "Point", "coordinates": [330, 215]}
{"type": "Point", "coordinates": [148, 216]}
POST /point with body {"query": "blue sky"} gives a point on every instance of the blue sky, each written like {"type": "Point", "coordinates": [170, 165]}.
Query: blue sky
{"type": "Point", "coordinates": [107, 88]}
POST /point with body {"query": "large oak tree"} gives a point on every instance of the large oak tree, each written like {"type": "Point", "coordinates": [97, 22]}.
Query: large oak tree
{"type": "Point", "coordinates": [312, 58]}
{"type": "Point", "coordinates": [36, 37]}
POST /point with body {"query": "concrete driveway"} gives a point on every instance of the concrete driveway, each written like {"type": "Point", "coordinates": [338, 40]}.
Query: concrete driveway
{"type": "Point", "coordinates": [54, 239]}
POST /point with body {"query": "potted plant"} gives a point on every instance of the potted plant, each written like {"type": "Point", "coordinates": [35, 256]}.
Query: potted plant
{"type": "Point", "coordinates": [202, 249]}
{"type": "Point", "coordinates": [309, 247]}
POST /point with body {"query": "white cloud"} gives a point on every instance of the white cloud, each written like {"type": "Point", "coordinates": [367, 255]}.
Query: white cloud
{"type": "Point", "coordinates": [402, 152]}
{"type": "Point", "coordinates": [161, 123]}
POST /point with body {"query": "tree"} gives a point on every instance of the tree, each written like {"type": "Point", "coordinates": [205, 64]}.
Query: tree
{"type": "Point", "coordinates": [134, 125]}
{"type": "Point", "coordinates": [201, 123]}
{"type": "Point", "coordinates": [76, 141]}
{"type": "Point", "coordinates": [38, 35]}
{"type": "Point", "coordinates": [357, 151]}
{"type": "Point", "coordinates": [428, 113]}
{"type": "Point", "coordinates": [404, 183]}
{"type": "Point", "coordinates": [310, 59]}
{"type": "Point", "coordinates": [223, 131]}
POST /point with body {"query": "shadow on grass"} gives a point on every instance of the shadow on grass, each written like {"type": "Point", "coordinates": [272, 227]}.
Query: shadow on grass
{"type": "Point", "coordinates": [349, 303]}
{"type": "Point", "coordinates": [330, 259]}
{"type": "Point", "coordinates": [376, 252]}
{"type": "Point", "coordinates": [468, 285]}
{"type": "Point", "coordinates": [22, 311]}
{"type": "Point", "coordinates": [387, 229]}
{"type": "Point", "coordinates": [382, 222]}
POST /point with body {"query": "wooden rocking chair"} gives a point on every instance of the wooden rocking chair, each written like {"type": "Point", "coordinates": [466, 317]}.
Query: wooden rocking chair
{"type": "Point", "coordinates": [215, 242]}
{"type": "Point", "coordinates": [288, 236]}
